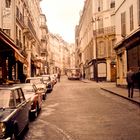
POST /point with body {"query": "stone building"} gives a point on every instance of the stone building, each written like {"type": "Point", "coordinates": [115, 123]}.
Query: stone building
{"type": "Point", "coordinates": [58, 54]}
{"type": "Point", "coordinates": [127, 17]}
{"type": "Point", "coordinates": [20, 40]}
{"type": "Point", "coordinates": [44, 45]}
{"type": "Point", "coordinates": [95, 39]}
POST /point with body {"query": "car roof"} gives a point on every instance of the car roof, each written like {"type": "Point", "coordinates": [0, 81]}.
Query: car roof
{"type": "Point", "coordinates": [34, 77]}
{"type": "Point", "coordinates": [9, 87]}
{"type": "Point", "coordinates": [23, 84]}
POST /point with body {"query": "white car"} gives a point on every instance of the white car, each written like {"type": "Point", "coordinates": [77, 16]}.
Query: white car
{"type": "Point", "coordinates": [47, 80]}
{"type": "Point", "coordinates": [41, 86]}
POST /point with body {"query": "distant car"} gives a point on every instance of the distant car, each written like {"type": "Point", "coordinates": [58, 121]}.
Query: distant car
{"type": "Point", "coordinates": [14, 112]}
{"type": "Point", "coordinates": [41, 86]}
{"type": "Point", "coordinates": [34, 96]}
{"type": "Point", "coordinates": [48, 82]}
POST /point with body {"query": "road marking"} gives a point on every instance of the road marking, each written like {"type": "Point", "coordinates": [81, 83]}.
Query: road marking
{"type": "Point", "coordinates": [53, 105]}
{"type": "Point", "coordinates": [59, 130]}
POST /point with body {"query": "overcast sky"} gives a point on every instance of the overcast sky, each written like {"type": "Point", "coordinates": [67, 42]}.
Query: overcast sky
{"type": "Point", "coordinates": [62, 16]}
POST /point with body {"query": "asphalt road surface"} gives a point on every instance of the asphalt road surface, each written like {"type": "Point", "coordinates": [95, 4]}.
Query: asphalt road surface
{"type": "Point", "coordinates": [82, 111]}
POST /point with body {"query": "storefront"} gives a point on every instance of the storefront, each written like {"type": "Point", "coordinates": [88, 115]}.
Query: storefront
{"type": "Point", "coordinates": [128, 56]}
{"type": "Point", "coordinates": [11, 61]}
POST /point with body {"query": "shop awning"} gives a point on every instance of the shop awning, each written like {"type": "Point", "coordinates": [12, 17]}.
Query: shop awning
{"type": "Point", "coordinates": [10, 42]}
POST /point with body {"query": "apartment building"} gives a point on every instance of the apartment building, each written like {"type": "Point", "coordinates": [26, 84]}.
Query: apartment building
{"type": "Point", "coordinates": [21, 38]}
{"type": "Point", "coordinates": [44, 45]}
{"type": "Point", "coordinates": [59, 54]}
{"type": "Point", "coordinates": [72, 55]}
{"type": "Point", "coordinates": [127, 17]}
{"type": "Point", "coordinates": [95, 39]}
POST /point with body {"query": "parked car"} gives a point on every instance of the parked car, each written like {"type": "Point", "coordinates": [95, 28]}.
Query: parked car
{"type": "Point", "coordinates": [34, 96]}
{"type": "Point", "coordinates": [14, 112]}
{"type": "Point", "coordinates": [41, 86]}
{"type": "Point", "coordinates": [48, 82]}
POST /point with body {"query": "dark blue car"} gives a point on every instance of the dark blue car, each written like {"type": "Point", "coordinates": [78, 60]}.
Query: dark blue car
{"type": "Point", "coordinates": [14, 112]}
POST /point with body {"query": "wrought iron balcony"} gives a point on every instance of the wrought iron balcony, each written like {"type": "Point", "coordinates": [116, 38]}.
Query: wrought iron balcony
{"type": "Point", "coordinates": [29, 26]}
{"type": "Point", "coordinates": [104, 31]}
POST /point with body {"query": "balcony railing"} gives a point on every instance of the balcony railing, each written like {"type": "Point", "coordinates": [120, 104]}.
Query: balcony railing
{"type": "Point", "coordinates": [29, 25]}
{"type": "Point", "coordinates": [104, 31]}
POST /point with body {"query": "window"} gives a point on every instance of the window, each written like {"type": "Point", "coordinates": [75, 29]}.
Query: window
{"type": "Point", "coordinates": [123, 24]}
{"type": "Point", "coordinates": [21, 95]}
{"type": "Point", "coordinates": [112, 4]}
{"type": "Point", "coordinates": [11, 102]}
{"type": "Point", "coordinates": [17, 97]}
{"type": "Point", "coordinates": [7, 31]}
{"type": "Point", "coordinates": [7, 3]}
{"type": "Point", "coordinates": [131, 18]}
{"type": "Point", "coordinates": [101, 50]}
{"type": "Point", "coordinates": [100, 5]}
{"type": "Point", "coordinates": [100, 26]}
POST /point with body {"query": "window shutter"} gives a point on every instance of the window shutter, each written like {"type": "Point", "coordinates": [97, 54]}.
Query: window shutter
{"type": "Point", "coordinates": [131, 18]}
{"type": "Point", "coordinates": [123, 24]}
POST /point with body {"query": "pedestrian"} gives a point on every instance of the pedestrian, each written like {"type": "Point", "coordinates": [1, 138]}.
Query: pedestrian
{"type": "Point", "coordinates": [130, 82]}
{"type": "Point", "coordinates": [58, 77]}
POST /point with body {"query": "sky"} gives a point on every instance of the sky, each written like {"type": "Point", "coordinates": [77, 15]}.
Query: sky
{"type": "Point", "coordinates": [62, 16]}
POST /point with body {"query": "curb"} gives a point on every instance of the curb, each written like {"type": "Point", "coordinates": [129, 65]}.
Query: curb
{"type": "Point", "coordinates": [136, 102]}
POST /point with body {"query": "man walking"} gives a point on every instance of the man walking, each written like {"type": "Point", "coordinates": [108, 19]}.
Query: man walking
{"type": "Point", "coordinates": [130, 82]}
{"type": "Point", "coordinates": [58, 76]}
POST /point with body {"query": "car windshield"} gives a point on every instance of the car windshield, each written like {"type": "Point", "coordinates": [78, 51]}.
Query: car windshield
{"type": "Point", "coordinates": [4, 98]}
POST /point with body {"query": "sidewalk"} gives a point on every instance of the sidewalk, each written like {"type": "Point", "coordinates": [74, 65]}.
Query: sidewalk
{"type": "Point", "coordinates": [122, 92]}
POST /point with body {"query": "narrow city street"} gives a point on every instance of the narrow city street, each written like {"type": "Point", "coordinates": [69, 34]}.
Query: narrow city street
{"type": "Point", "coordinates": [75, 110]}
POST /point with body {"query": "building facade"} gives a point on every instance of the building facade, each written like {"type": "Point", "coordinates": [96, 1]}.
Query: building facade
{"type": "Point", "coordinates": [127, 17]}
{"type": "Point", "coordinates": [20, 40]}
{"type": "Point", "coordinates": [58, 54]}
{"type": "Point", "coordinates": [95, 39]}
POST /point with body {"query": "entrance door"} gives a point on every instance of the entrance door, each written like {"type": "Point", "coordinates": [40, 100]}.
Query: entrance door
{"type": "Point", "coordinates": [113, 72]}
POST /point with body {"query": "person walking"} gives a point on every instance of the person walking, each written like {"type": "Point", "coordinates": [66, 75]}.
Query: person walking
{"type": "Point", "coordinates": [58, 77]}
{"type": "Point", "coordinates": [130, 82]}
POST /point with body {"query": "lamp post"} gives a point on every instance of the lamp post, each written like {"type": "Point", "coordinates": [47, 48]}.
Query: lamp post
{"type": "Point", "coordinates": [95, 20]}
